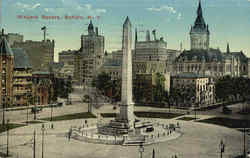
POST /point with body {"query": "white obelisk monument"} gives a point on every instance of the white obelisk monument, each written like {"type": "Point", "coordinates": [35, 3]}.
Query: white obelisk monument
{"type": "Point", "coordinates": [127, 106]}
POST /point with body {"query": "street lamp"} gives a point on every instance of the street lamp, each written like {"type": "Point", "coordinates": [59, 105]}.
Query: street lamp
{"type": "Point", "coordinates": [141, 149]}
{"type": "Point", "coordinates": [3, 104]}
{"type": "Point", "coordinates": [51, 111]}
{"type": "Point", "coordinates": [8, 137]}
{"type": "Point", "coordinates": [222, 148]}
{"type": "Point", "coordinates": [43, 129]}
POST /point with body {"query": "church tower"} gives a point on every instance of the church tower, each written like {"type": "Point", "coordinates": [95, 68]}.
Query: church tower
{"type": "Point", "coordinates": [199, 33]}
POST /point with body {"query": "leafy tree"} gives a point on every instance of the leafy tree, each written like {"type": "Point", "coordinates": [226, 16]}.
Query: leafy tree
{"type": "Point", "coordinates": [103, 82]}
{"type": "Point", "coordinates": [159, 91]}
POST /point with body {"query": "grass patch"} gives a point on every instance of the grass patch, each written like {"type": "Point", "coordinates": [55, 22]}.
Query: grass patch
{"type": "Point", "coordinates": [187, 118]}
{"type": "Point", "coordinates": [107, 115]}
{"type": "Point", "coordinates": [33, 122]}
{"type": "Point", "coordinates": [82, 115]}
{"type": "Point", "coordinates": [227, 122]}
{"type": "Point", "coordinates": [11, 126]}
{"type": "Point", "coordinates": [156, 115]}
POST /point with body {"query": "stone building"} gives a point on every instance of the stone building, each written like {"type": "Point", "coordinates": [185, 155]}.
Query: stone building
{"type": "Point", "coordinates": [202, 86]}
{"type": "Point", "coordinates": [40, 53]}
{"type": "Point", "coordinates": [90, 57]}
{"type": "Point", "coordinates": [152, 56]}
{"type": "Point", "coordinates": [6, 69]}
{"type": "Point", "coordinates": [67, 58]}
{"type": "Point", "coordinates": [204, 60]}
{"type": "Point", "coordinates": [22, 79]}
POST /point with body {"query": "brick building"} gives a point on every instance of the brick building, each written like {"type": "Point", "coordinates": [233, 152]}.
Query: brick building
{"type": "Point", "coordinates": [6, 69]}
{"type": "Point", "coordinates": [22, 79]}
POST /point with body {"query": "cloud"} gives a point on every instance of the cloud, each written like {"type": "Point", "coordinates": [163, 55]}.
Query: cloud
{"type": "Point", "coordinates": [179, 16]}
{"type": "Point", "coordinates": [101, 10]}
{"type": "Point", "coordinates": [163, 8]}
{"type": "Point", "coordinates": [27, 6]}
{"type": "Point", "coordinates": [36, 6]}
{"type": "Point", "coordinates": [90, 9]}
{"type": "Point", "coordinates": [88, 6]}
{"type": "Point", "coordinates": [167, 8]}
{"type": "Point", "coordinates": [48, 9]}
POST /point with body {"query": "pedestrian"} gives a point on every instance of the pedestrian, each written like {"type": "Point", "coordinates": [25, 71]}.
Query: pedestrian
{"type": "Point", "coordinates": [52, 126]}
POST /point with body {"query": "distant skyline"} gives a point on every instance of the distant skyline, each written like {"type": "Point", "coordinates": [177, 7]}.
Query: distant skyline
{"type": "Point", "coordinates": [228, 20]}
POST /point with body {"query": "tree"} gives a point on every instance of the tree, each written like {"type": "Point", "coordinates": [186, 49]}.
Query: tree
{"type": "Point", "coordinates": [103, 82]}
{"type": "Point", "coordinates": [68, 87]}
{"type": "Point", "coordinates": [158, 90]}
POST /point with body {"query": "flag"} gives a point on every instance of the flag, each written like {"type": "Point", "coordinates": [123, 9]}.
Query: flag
{"type": "Point", "coordinates": [43, 28]}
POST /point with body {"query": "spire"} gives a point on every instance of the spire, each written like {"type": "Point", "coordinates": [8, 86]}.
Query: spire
{"type": "Point", "coordinates": [90, 28]}
{"type": "Point", "coordinates": [199, 10]}
{"type": "Point", "coordinates": [5, 48]}
{"type": "Point", "coordinates": [200, 22]}
{"type": "Point", "coordinates": [228, 49]}
{"type": "Point", "coordinates": [127, 21]}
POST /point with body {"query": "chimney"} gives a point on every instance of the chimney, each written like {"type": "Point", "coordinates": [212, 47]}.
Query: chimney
{"type": "Point", "coordinates": [96, 31]}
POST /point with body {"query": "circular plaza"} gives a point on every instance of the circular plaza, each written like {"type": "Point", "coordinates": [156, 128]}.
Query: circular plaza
{"type": "Point", "coordinates": [194, 140]}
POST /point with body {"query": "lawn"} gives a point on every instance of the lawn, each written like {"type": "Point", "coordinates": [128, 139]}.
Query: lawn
{"type": "Point", "coordinates": [228, 122]}
{"type": "Point", "coordinates": [82, 115]}
{"type": "Point", "coordinates": [187, 118]}
{"type": "Point", "coordinates": [33, 122]}
{"type": "Point", "coordinates": [108, 115]}
{"type": "Point", "coordinates": [156, 115]}
{"type": "Point", "coordinates": [11, 126]}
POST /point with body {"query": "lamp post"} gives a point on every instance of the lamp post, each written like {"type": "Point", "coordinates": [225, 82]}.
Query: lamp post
{"type": "Point", "coordinates": [141, 149]}
{"type": "Point", "coordinates": [51, 111]}
{"type": "Point", "coordinates": [43, 129]}
{"type": "Point", "coordinates": [28, 100]}
{"type": "Point", "coordinates": [222, 148]}
{"type": "Point", "coordinates": [8, 137]}
{"type": "Point", "coordinates": [34, 145]}
{"type": "Point", "coordinates": [3, 104]}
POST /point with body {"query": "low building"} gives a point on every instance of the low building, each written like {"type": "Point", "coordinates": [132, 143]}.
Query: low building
{"type": "Point", "coordinates": [22, 79]}
{"type": "Point", "coordinates": [202, 87]}
{"type": "Point", "coordinates": [42, 87]}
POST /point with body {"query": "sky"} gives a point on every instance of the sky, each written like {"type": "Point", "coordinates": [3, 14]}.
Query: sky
{"type": "Point", "coordinates": [228, 20]}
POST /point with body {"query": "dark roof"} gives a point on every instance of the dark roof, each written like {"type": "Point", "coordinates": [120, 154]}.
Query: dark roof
{"type": "Point", "coordinates": [200, 55]}
{"type": "Point", "coordinates": [5, 48]}
{"type": "Point", "coordinates": [199, 24]}
{"type": "Point", "coordinates": [189, 75]}
{"type": "Point", "coordinates": [21, 59]}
